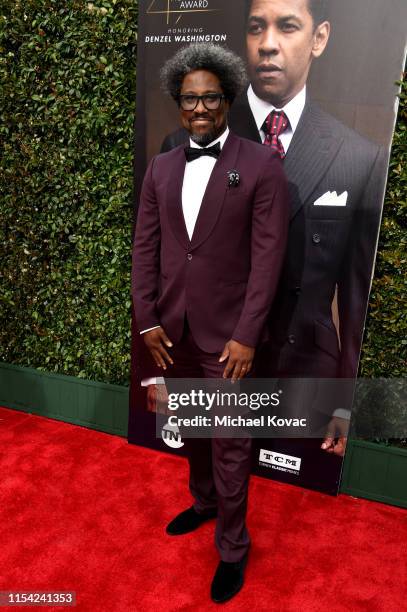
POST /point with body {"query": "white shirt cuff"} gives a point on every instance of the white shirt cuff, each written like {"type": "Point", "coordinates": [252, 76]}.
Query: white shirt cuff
{"type": "Point", "coordinates": [342, 413]}
{"type": "Point", "coordinates": [149, 329]}
{"type": "Point", "coordinates": [156, 380]}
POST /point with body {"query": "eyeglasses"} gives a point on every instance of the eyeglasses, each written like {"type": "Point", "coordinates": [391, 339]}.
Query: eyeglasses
{"type": "Point", "coordinates": [210, 101]}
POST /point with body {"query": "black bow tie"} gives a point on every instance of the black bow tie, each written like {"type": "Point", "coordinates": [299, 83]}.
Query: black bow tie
{"type": "Point", "coordinates": [192, 153]}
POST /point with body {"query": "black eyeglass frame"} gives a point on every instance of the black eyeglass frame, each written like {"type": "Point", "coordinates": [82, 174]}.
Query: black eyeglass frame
{"type": "Point", "coordinates": [212, 96]}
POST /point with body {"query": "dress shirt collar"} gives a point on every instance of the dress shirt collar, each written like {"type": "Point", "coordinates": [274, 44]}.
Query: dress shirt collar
{"type": "Point", "coordinates": [221, 139]}
{"type": "Point", "coordinates": [261, 109]}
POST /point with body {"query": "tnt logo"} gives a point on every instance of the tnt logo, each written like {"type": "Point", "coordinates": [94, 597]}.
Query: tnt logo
{"type": "Point", "coordinates": [280, 460]}
{"type": "Point", "coordinates": [171, 436]}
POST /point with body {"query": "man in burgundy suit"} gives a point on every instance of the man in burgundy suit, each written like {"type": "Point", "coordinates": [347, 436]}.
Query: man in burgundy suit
{"type": "Point", "coordinates": [209, 244]}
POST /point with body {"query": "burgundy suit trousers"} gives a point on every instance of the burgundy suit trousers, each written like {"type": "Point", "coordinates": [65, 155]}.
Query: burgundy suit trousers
{"type": "Point", "coordinates": [219, 468]}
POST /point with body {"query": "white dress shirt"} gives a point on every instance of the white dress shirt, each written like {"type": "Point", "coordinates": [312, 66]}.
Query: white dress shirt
{"type": "Point", "coordinates": [293, 110]}
{"type": "Point", "coordinates": [196, 178]}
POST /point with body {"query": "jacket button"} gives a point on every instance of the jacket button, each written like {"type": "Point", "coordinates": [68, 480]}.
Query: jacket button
{"type": "Point", "coordinates": [291, 339]}
{"type": "Point", "coordinates": [316, 238]}
{"type": "Point", "coordinates": [189, 256]}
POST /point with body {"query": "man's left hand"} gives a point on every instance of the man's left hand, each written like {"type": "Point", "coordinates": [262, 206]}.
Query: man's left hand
{"type": "Point", "coordinates": [240, 360]}
{"type": "Point", "coordinates": [337, 428]}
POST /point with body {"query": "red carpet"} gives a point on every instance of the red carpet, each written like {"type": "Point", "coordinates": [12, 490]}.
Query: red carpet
{"type": "Point", "coordinates": [85, 511]}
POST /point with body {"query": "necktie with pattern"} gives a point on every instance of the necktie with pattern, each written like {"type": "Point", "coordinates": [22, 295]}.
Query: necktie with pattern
{"type": "Point", "coordinates": [275, 123]}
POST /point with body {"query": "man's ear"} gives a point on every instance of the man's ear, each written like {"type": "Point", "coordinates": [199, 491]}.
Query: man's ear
{"type": "Point", "coordinates": [321, 36]}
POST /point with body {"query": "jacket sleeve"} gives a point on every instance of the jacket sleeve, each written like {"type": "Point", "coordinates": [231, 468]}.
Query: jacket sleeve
{"type": "Point", "coordinates": [356, 274]}
{"type": "Point", "coordinates": [146, 255]}
{"type": "Point", "coordinates": [270, 219]}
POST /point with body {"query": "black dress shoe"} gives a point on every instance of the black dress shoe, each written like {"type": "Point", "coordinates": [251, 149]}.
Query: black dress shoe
{"type": "Point", "coordinates": [228, 580]}
{"type": "Point", "coordinates": [188, 520]}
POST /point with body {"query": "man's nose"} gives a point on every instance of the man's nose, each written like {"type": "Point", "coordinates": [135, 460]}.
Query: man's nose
{"type": "Point", "coordinates": [269, 44]}
{"type": "Point", "coordinates": [200, 108]}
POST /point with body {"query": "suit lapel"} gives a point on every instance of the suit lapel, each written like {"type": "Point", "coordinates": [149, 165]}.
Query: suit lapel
{"type": "Point", "coordinates": [241, 119]}
{"type": "Point", "coordinates": [215, 191]}
{"type": "Point", "coordinates": [174, 197]}
{"type": "Point", "coordinates": [311, 152]}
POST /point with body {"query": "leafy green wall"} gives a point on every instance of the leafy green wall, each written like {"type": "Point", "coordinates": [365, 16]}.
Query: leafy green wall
{"type": "Point", "coordinates": [67, 81]}
{"type": "Point", "coordinates": [384, 351]}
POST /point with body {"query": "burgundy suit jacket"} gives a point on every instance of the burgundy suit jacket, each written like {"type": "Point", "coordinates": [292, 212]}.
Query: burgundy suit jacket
{"type": "Point", "coordinates": [225, 278]}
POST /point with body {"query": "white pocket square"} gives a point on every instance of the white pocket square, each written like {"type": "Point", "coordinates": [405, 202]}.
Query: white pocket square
{"type": "Point", "coordinates": [331, 198]}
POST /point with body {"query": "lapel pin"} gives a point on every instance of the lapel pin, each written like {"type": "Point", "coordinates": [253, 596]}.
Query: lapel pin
{"type": "Point", "coordinates": [234, 178]}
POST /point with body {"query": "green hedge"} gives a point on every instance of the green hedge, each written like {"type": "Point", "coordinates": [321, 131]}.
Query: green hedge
{"type": "Point", "coordinates": [67, 75]}
{"type": "Point", "coordinates": [384, 350]}
{"type": "Point", "coordinates": [67, 79]}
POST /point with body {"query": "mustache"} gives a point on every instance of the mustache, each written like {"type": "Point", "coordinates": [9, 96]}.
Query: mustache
{"type": "Point", "coordinates": [203, 116]}
{"type": "Point", "coordinates": [268, 68]}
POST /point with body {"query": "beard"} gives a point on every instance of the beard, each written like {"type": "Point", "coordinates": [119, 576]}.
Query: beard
{"type": "Point", "coordinates": [204, 139]}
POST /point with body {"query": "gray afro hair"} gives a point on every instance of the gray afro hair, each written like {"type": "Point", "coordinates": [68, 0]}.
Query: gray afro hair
{"type": "Point", "coordinates": [226, 65]}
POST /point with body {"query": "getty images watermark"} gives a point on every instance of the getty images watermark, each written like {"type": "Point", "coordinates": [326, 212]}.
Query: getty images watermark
{"type": "Point", "coordinates": [262, 408]}
{"type": "Point", "coordinates": [219, 400]}
{"type": "Point", "coordinates": [272, 408]}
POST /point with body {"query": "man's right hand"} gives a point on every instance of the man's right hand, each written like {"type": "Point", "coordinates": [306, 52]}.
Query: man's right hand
{"type": "Point", "coordinates": [156, 340]}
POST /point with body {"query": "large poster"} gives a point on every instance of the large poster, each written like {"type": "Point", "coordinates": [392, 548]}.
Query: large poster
{"type": "Point", "coordinates": [336, 165]}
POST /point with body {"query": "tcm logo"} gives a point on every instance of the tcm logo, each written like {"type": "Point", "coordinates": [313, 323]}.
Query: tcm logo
{"type": "Point", "coordinates": [171, 436]}
{"type": "Point", "coordinates": [280, 460]}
